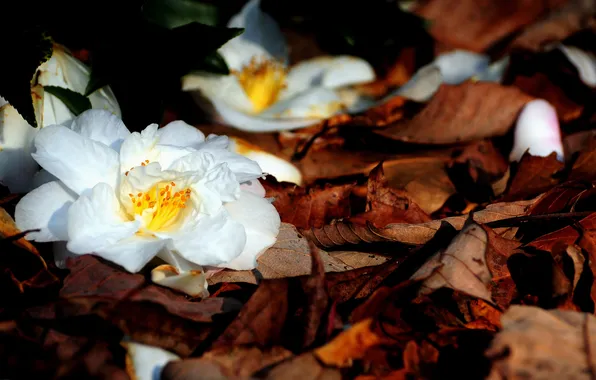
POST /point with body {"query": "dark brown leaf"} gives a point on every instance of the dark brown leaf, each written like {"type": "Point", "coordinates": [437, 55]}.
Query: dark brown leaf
{"type": "Point", "coordinates": [460, 113]}
{"type": "Point", "coordinates": [312, 207]}
{"type": "Point", "coordinates": [534, 175]}
{"type": "Point", "coordinates": [476, 25]}
{"type": "Point", "coordinates": [584, 167]}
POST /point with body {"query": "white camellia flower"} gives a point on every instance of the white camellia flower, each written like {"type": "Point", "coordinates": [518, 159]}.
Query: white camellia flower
{"type": "Point", "coordinates": [16, 135]}
{"type": "Point", "coordinates": [262, 93]}
{"type": "Point", "coordinates": [128, 197]}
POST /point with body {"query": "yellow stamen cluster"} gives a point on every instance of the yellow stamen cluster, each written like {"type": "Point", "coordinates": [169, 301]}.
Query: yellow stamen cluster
{"type": "Point", "coordinates": [165, 203]}
{"type": "Point", "coordinates": [262, 82]}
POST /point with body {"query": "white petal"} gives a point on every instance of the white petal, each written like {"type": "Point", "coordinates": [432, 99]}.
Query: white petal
{"type": "Point", "coordinates": [17, 167]}
{"type": "Point", "coordinates": [181, 275]}
{"type": "Point", "coordinates": [101, 126]}
{"type": "Point", "coordinates": [254, 187]}
{"type": "Point", "coordinates": [421, 87]}
{"type": "Point", "coordinates": [314, 103]}
{"type": "Point", "coordinates": [459, 65]}
{"type": "Point", "coordinates": [243, 168]}
{"type": "Point", "coordinates": [212, 240]}
{"type": "Point", "coordinates": [178, 133]}
{"type": "Point", "coordinates": [97, 221]}
{"type": "Point", "coordinates": [77, 161]}
{"type": "Point", "coordinates": [261, 35]}
{"type": "Point", "coordinates": [104, 99]}
{"type": "Point", "coordinates": [269, 163]}
{"type": "Point", "coordinates": [224, 89]}
{"type": "Point", "coordinates": [222, 181]}
{"type": "Point", "coordinates": [147, 361]}
{"type": "Point", "coordinates": [46, 208]}
{"type": "Point", "coordinates": [584, 62]}
{"type": "Point", "coordinates": [133, 253]}
{"type": "Point", "coordinates": [261, 222]}
{"type": "Point", "coordinates": [256, 123]}
{"type": "Point", "coordinates": [347, 71]}
{"type": "Point", "coordinates": [537, 130]}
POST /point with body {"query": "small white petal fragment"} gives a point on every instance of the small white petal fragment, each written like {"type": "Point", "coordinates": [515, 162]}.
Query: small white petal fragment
{"type": "Point", "coordinates": [144, 362]}
{"type": "Point", "coordinates": [537, 131]}
{"type": "Point", "coordinates": [459, 65]}
{"type": "Point", "coordinates": [193, 282]}
{"type": "Point", "coordinates": [584, 62]}
{"type": "Point", "coordinates": [281, 169]}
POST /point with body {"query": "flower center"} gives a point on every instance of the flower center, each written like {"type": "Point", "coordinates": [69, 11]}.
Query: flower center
{"type": "Point", "coordinates": [161, 206]}
{"type": "Point", "coordinates": [262, 82]}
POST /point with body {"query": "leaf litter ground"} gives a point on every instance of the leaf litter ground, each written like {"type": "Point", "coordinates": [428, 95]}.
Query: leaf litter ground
{"type": "Point", "coordinates": [414, 249]}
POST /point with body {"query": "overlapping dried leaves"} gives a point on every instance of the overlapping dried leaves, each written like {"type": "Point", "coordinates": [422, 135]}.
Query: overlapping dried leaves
{"type": "Point", "coordinates": [414, 251]}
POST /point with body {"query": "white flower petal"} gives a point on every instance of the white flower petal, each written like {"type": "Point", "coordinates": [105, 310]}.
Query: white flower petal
{"type": "Point", "coordinates": [181, 275]}
{"type": "Point", "coordinates": [78, 162]}
{"type": "Point", "coordinates": [244, 168]}
{"type": "Point", "coordinates": [537, 130]}
{"type": "Point", "coordinates": [96, 221]}
{"type": "Point", "coordinates": [17, 167]}
{"type": "Point", "coordinates": [262, 37]}
{"type": "Point", "coordinates": [133, 253]}
{"type": "Point", "coordinates": [101, 126]}
{"type": "Point", "coordinates": [223, 89]}
{"type": "Point", "coordinates": [460, 65]}
{"type": "Point", "coordinates": [421, 87]}
{"type": "Point", "coordinates": [261, 222]}
{"type": "Point", "coordinates": [254, 187]}
{"type": "Point", "coordinates": [212, 239]}
{"type": "Point", "coordinates": [269, 163]}
{"type": "Point", "coordinates": [346, 71]}
{"type": "Point", "coordinates": [584, 62]}
{"type": "Point", "coordinates": [45, 208]}
{"type": "Point", "coordinates": [314, 103]}
{"type": "Point", "coordinates": [147, 361]}
{"type": "Point", "coordinates": [178, 133]}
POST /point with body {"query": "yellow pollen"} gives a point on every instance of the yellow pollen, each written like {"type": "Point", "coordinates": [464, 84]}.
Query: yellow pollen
{"type": "Point", "coordinates": [262, 82]}
{"type": "Point", "coordinates": [164, 212]}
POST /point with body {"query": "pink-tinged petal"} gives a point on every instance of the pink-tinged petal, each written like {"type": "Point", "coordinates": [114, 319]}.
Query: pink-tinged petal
{"type": "Point", "coordinates": [537, 131]}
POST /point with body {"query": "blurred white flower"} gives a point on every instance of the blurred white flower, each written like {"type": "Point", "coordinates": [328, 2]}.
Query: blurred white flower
{"type": "Point", "coordinates": [537, 131]}
{"type": "Point", "coordinates": [16, 135]}
{"type": "Point", "coordinates": [128, 197]}
{"type": "Point", "coordinates": [262, 93]}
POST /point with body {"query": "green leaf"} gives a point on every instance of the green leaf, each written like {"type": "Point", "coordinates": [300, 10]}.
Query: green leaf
{"type": "Point", "coordinates": [96, 82]}
{"type": "Point", "coordinates": [213, 63]}
{"type": "Point", "coordinates": [76, 103]}
{"type": "Point", "coordinates": [174, 13]}
{"type": "Point", "coordinates": [28, 49]}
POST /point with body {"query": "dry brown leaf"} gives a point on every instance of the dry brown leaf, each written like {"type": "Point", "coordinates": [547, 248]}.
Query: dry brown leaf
{"type": "Point", "coordinates": [359, 259]}
{"type": "Point", "coordinates": [462, 266]}
{"type": "Point", "coordinates": [541, 344]}
{"type": "Point", "coordinates": [386, 205]}
{"type": "Point", "coordinates": [476, 25]}
{"type": "Point", "coordinates": [557, 25]}
{"type": "Point", "coordinates": [459, 113]}
{"type": "Point", "coordinates": [9, 228]}
{"type": "Point", "coordinates": [308, 207]}
{"type": "Point", "coordinates": [584, 167]}
{"type": "Point", "coordinates": [303, 367]}
{"type": "Point", "coordinates": [534, 175]}
{"type": "Point", "coordinates": [349, 345]}
{"type": "Point", "coordinates": [289, 257]}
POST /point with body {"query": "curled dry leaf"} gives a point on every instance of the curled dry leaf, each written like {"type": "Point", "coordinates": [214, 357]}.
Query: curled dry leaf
{"type": "Point", "coordinates": [474, 25]}
{"type": "Point", "coordinates": [308, 207]}
{"type": "Point", "coordinates": [8, 228]}
{"type": "Point", "coordinates": [304, 366]}
{"type": "Point", "coordinates": [461, 266]}
{"type": "Point", "coordinates": [459, 113]}
{"type": "Point", "coordinates": [385, 205]}
{"type": "Point", "coordinates": [541, 344]}
{"type": "Point", "coordinates": [584, 167]}
{"type": "Point", "coordinates": [288, 257]}
{"type": "Point", "coordinates": [342, 233]}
